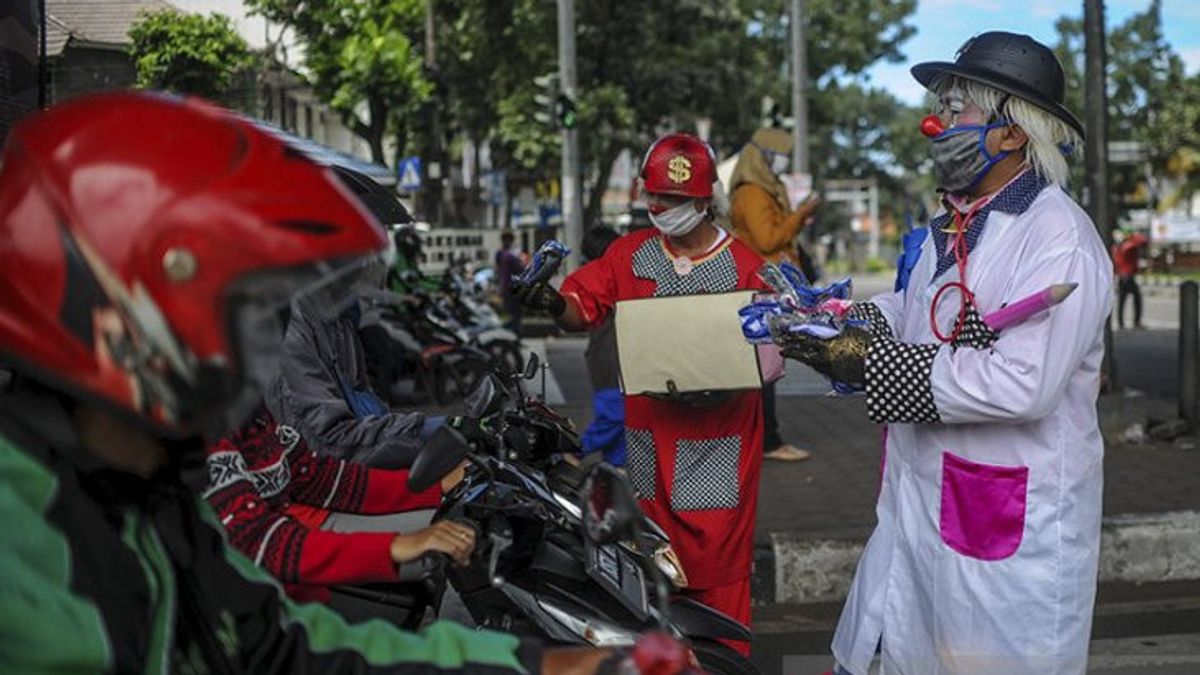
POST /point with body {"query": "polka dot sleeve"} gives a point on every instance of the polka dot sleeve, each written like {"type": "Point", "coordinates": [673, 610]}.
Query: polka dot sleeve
{"type": "Point", "coordinates": [872, 316]}
{"type": "Point", "coordinates": [899, 389]}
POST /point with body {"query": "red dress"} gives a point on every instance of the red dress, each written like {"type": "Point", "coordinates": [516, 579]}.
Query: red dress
{"type": "Point", "coordinates": [697, 469]}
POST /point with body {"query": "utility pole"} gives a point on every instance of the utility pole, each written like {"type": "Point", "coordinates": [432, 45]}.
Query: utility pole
{"type": "Point", "coordinates": [430, 52]}
{"type": "Point", "coordinates": [1096, 103]}
{"type": "Point", "coordinates": [572, 199]}
{"type": "Point", "coordinates": [434, 167]}
{"type": "Point", "coordinates": [799, 95]}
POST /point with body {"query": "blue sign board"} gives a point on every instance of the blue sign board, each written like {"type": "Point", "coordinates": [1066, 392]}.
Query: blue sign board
{"type": "Point", "coordinates": [408, 174]}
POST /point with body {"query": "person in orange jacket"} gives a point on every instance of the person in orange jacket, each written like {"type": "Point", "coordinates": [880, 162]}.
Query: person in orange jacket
{"type": "Point", "coordinates": [762, 218]}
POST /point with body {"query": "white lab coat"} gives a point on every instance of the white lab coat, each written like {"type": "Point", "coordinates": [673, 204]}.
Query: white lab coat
{"type": "Point", "coordinates": [984, 559]}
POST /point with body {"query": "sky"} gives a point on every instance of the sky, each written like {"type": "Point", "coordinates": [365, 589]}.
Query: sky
{"type": "Point", "coordinates": [943, 25]}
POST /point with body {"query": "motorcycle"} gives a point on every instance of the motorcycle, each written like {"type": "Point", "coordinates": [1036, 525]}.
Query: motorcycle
{"type": "Point", "coordinates": [535, 572]}
{"type": "Point", "coordinates": [405, 338]}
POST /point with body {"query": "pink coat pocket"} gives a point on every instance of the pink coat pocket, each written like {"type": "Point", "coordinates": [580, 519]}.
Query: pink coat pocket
{"type": "Point", "coordinates": [983, 507]}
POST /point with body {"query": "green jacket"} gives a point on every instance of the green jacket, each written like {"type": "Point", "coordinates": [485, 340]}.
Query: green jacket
{"type": "Point", "coordinates": [105, 572]}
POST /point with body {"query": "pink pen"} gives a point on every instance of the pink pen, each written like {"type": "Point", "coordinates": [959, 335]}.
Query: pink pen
{"type": "Point", "coordinates": [1027, 307]}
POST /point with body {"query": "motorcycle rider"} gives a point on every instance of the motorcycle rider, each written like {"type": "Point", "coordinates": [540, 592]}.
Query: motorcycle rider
{"type": "Point", "coordinates": [147, 247]}
{"type": "Point", "coordinates": [278, 500]}
{"type": "Point", "coordinates": [323, 389]}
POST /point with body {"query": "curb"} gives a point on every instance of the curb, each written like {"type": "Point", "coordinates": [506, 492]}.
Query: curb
{"type": "Point", "coordinates": [1135, 548]}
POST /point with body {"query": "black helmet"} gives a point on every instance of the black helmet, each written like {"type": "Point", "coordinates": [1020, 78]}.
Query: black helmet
{"type": "Point", "coordinates": [1015, 64]}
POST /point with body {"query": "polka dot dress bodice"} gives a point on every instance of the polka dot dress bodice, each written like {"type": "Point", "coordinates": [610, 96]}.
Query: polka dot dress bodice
{"type": "Point", "coordinates": [716, 274]}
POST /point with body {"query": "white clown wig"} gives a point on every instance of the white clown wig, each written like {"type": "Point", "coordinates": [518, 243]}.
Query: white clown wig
{"type": "Point", "coordinates": [1050, 139]}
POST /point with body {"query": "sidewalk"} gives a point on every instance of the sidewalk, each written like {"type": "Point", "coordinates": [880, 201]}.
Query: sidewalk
{"type": "Point", "coordinates": [815, 516]}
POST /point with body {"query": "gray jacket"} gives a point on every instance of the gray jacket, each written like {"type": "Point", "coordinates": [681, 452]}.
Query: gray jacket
{"type": "Point", "coordinates": [322, 361]}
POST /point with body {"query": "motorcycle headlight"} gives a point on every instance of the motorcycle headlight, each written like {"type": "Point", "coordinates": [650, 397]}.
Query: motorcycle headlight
{"type": "Point", "coordinates": [668, 562]}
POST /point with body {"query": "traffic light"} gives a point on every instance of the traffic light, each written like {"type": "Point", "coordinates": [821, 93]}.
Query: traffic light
{"type": "Point", "coordinates": [547, 99]}
{"type": "Point", "coordinates": [555, 108]}
{"type": "Point", "coordinates": [567, 115]}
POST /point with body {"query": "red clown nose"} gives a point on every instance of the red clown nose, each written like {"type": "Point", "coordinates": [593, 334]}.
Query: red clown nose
{"type": "Point", "coordinates": [932, 126]}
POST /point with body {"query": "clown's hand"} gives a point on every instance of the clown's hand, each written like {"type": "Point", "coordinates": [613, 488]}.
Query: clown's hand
{"type": "Point", "coordinates": [540, 297]}
{"type": "Point", "coordinates": [841, 358]}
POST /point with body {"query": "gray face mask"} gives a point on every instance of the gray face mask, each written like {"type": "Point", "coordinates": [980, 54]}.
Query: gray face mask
{"type": "Point", "coordinates": [960, 156]}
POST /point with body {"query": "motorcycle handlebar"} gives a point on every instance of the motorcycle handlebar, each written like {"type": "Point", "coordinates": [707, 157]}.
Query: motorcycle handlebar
{"type": "Point", "coordinates": [423, 567]}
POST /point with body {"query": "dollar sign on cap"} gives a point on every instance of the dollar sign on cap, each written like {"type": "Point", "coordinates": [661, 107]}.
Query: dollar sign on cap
{"type": "Point", "coordinates": [679, 169]}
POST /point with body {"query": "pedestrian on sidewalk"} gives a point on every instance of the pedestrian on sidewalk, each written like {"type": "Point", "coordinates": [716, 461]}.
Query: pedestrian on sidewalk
{"type": "Point", "coordinates": [762, 217]}
{"type": "Point", "coordinates": [985, 555]}
{"type": "Point", "coordinates": [606, 433]}
{"type": "Point", "coordinates": [696, 468]}
{"type": "Point", "coordinates": [1126, 253]}
{"type": "Point", "coordinates": [508, 267]}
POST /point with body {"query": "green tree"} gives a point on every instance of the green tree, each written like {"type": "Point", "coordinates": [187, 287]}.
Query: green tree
{"type": "Point", "coordinates": [188, 53]}
{"type": "Point", "coordinates": [1150, 100]}
{"type": "Point", "coordinates": [645, 66]}
{"type": "Point", "coordinates": [361, 59]}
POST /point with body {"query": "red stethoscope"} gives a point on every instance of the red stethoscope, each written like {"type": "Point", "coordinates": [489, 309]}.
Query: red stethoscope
{"type": "Point", "coordinates": [932, 126]}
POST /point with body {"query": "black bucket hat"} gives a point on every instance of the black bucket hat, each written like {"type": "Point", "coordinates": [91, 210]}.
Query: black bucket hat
{"type": "Point", "coordinates": [1015, 64]}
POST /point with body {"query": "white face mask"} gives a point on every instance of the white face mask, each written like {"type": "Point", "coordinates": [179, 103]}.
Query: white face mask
{"type": "Point", "coordinates": [679, 220]}
{"type": "Point", "coordinates": [779, 164]}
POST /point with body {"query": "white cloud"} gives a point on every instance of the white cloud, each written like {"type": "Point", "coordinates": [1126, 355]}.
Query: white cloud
{"type": "Point", "coordinates": [1191, 58]}
{"type": "Point", "coordinates": [895, 79]}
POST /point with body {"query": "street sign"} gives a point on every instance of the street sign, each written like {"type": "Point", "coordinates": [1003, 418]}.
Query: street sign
{"type": "Point", "coordinates": [1175, 229]}
{"type": "Point", "coordinates": [1127, 152]}
{"type": "Point", "coordinates": [408, 173]}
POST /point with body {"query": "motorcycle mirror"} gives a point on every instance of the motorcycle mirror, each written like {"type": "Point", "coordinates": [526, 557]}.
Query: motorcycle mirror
{"type": "Point", "coordinates": [485, 399]}
{"type": "Point", "coordinates": [531, 366]}
{"type": "Point", "coordinates": [610, 510]}
{"type": "Point", "coordinates": [444, 450]}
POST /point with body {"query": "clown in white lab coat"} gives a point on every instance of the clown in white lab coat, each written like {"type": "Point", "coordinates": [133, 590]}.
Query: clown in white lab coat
{"type": "Point", "coordinates": [985, 554]}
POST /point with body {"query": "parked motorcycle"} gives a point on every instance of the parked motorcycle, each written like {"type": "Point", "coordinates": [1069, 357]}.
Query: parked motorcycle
{"type": "Point", "coordinates": [534, 571]}
{"type": "Point", "coordinates": [405, 337]}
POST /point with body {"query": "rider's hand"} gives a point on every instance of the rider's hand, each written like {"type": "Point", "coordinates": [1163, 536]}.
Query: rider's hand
{"type": "Point", "coordinates": [658, 653]}
{"type": "Point", "coordinates": [841, 358]}
{"type": "Point", "coordinates": [540, 297]}
{"type": "Point", "coordinates": [453, 539]}
{"type": "Point", "coordinates": [454, 477]}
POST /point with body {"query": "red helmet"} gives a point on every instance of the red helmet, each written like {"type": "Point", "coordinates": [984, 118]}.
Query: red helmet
{"type": "Point", "coordinates": [147, 247]}
{"type": "Point", "coordinates": [679, 164]}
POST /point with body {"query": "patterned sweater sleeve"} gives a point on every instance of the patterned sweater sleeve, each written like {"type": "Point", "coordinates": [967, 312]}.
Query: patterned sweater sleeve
{"type": "Point", "coordinates": [292, 552]}
{"type": "Point", "coordinates": [349, 487]}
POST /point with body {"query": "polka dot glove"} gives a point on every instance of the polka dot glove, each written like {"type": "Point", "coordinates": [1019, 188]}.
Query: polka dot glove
{"type": "Point", "coordinates": [898, 382]}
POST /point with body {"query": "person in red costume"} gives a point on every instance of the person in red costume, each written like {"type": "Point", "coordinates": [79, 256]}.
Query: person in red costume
{"type": "Point", "coordinates": [696, 469]}
{"type": "Point", "coordinates": [274, 496]}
